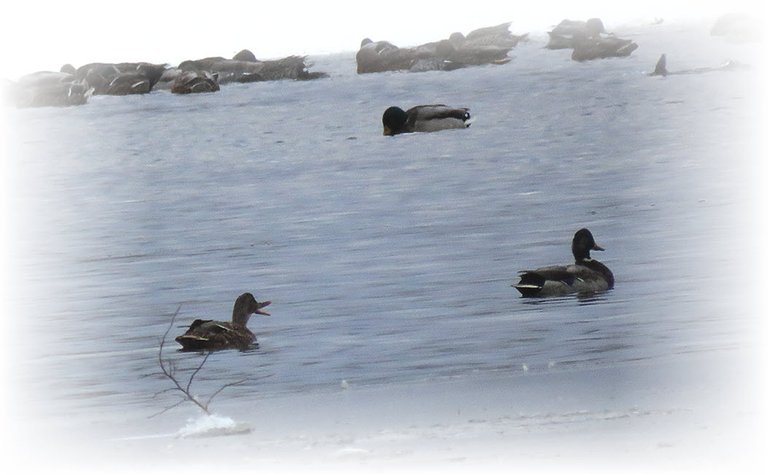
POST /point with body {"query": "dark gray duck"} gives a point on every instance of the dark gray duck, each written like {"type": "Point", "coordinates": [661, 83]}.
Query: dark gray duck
{"type": "Point", "coordinates": [426, 118]}
{"type": "Point", "coordinates": [586, 275]}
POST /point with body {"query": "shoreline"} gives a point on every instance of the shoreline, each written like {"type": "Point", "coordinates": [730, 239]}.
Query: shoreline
{"type": "Point", "coordinates": [702, 412]}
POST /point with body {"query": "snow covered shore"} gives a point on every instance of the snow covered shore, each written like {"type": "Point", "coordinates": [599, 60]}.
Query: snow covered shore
{"type": "Point", "coordinates": [698, 413]}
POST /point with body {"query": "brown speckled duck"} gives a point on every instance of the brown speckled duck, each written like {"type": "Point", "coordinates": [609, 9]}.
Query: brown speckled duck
{"type": "Point", "coordinates": [586, 275]}
{"type": "Point", "coordinates": [214, 335]}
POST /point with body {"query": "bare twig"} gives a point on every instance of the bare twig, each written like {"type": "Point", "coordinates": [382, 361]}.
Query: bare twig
{"type": "Point", "coordinates": [178, 403]}
{"type": "Point", "coordinates": [197, 370]}
{"type": "Point", "coordinates": [169, 370]}
{"type": "Point", "coordinates": [163, 391]}
{"type": "Point", "coordinates": [223, 388]}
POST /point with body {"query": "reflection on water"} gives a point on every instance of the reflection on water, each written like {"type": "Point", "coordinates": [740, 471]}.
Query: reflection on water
{"type": "Point", "coordinates": [590, 298]}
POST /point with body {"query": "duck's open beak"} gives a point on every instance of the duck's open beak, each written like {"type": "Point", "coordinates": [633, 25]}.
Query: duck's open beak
{"type": "Point", "coordinates": [597, 248]}
{"type": "Point", "coordinates": [262, 305]}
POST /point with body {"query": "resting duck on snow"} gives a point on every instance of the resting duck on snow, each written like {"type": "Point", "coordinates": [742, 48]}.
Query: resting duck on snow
{"type": "Point", "coordinates": [427, 118]}
{"type": "Point", "coordinates": [213, 335]}
{"type": "Point", "coordinates": [586, 275]}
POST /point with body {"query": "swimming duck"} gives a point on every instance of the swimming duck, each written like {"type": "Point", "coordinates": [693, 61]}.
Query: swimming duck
{"type": "Point", "coordinates": [213, 335]}
{"type": "Point", "coordinates": [586, 275]}
{"type": "Point", "coordinates": [428, 118]}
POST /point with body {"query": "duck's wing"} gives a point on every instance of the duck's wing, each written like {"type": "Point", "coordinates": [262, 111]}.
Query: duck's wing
{"type": "Point", "coordinates": [554, 273]}
{"type": "Point", "coordinates": [198, 323]}
{"type": "Point", "coordinates": [205, 329]}
{"type": "Point", "coordinates": [212, 335]}
{"type": "Point", "coordinates": [431, 118]}
{"type": "Point", "coordinates": [544, 280]}
{"type": "Point", "coordinates": [559, 280]}
{"type": "Point", "coordinates": [209, 326]}
{"type": "Point", "coordinates": [581, 278]}
{"type": "Point", "coordinates": [195, 339]}
{"type": "Point", "coordinates": [437, 112]}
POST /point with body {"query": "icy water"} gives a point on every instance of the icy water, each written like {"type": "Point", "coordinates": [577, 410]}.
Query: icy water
{"type": "Point", "coordinates": [387, 260]}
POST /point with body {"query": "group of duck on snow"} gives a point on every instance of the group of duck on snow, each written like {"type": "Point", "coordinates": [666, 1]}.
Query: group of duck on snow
{"type": "Point", "coordinates": [489, 45]}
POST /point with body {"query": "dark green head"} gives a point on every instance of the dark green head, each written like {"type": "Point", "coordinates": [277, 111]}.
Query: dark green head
{"type": "Point", "coordinates": [394, 120]}
{"type": "Point", "coordinates": [583, 242]}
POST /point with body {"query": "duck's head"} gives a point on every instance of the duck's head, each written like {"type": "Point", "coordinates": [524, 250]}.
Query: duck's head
{"type": "Point", "coordinates": [245, 306]}
{"type": "Point", "coordinates": [594, 27]}
{"type": "Point", "coordinates": [583, 242]}
{"type": "Point", "coordinates": [457, 39]}
{"type": "Point", "coordinates": [394, 120]}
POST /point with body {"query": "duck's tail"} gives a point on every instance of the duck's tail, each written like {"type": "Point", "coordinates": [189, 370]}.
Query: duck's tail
{"type": "Point", "coordinates": [193, 342]}
{"type": "Point", "coordinates": [530, 284]}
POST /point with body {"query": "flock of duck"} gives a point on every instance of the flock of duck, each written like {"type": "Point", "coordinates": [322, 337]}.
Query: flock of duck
{"type": "Point", "coordinates": [584, 276]}
{"type": "Point", "coordinates": [72, 86]}
{"type": "Point", "coordinates": [489, 45]}
{"type": "Point", "coordinates": [484, 46]}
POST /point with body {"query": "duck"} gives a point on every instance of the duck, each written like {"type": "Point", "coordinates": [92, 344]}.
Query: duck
{"type": "Point", "coordinates": [48, 88]}
{"type": "Point", "coordinates": [189, 82]}
{"type": "Point", "coordinates": [587, 48]}
{"type": "Point", "coordinates": [426, 118]}
{"type": "Point", "coordinates": [586, 275]}
{"type": "Point", "coordinates": [214, 335]}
